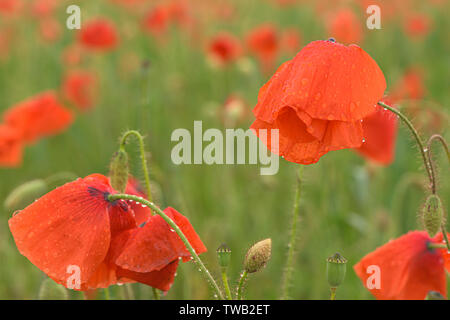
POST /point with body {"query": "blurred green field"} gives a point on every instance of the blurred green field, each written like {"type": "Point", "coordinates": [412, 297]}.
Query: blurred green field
{"type": "Point", "coordinates": [347, 204]}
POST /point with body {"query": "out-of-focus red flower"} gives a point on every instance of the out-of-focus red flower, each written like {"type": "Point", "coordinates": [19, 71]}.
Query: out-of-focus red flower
{"type": "Point", "coordinates": [179, 13]}
{"type": "Point", "coordinates": [317, 100]}
{"type": "Point", "coordinates": [408, 268]}
{"type": "Point", "coordinates": [417, 25]}
{"type": "Point", "coordinates": [264, 43]}
{"type": "Point", "coordinates": [72, 55]}
{"type": "Point", "coordinates": [380, 132]}
{"type": "Point", "coordinates": [76, 225]}
{"type": "Point", "coordinates": [290, 40]}
{"type": "Point", "coordinates": [224, 48]}
{"type": "Point", "coordinates": [99, 35]}
{"type": "Point", "coordinates": [43, 8]}
{"type": "Point", "coordinates": [10, 147]}
{"type": "Point", "coordinates": [345, 27]}
{"type": "Point", "coordinates": [39, 116]}
{"type": "Point", "coordinates": [156, 20]}
{"type": "Point", "coordinates": [49, 29]}
{"type": "Point", "coordinates": [410, 86]}
{"type": "Point", "coordinates": [10, 7]}
{"type": "Point", "coordinates": [80, 88]}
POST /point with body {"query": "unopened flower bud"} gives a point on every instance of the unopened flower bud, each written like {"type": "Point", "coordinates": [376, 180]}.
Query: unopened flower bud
{"type": "Point", "coordinates": [336, 269]}
{"type": "Point", "coordinates": [434, 295]}
{"type": "Point", "coordinates": [25, 194]}
{"type": "Point", "coordinates": [50, 290]}
{"type": "Point", "coordinates": [432, 214]}
{"type": "Point", "coordinates": [118, 170]}
{"type": "Point", "coordinates": [224, 255]}
{"type": "Point", "coordinates": [258, 256]}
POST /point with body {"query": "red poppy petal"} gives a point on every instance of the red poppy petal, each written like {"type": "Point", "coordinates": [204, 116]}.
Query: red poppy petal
{"type": "Point", "coordinates": [408, 269]}
{"type": "Point", "coordinates": [154, 246]}
{"type": "Point", "coordinates": [68, 226]}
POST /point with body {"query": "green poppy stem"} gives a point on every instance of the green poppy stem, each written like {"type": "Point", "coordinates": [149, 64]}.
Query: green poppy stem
{"type": "Point", "coordinates": [240, 288]}
{"type": "Point", "coordinates": [426, 156]}
{"type": "Point", "coordinates": [157, 210]}
{"type": "Point", "coordinates": [292, 239]}
{"type": "Point", "coordinates": [225, 283]}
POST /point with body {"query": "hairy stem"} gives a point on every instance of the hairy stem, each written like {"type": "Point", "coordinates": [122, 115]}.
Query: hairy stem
{"type": "Point", "coordinates": [240, 288]}
{"type": "Point", "coordinates": [292, 239]}
{"type": "Point", "coordinates": [157, 210]}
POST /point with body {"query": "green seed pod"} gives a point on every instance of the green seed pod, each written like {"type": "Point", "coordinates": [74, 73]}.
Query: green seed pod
{"type": "Point", "coordinates": [25, 194]}
{"type": "Point", "coordinates": [434, 295]}
{"type": "Point", "coordinates": [224, 255]}
{"type": "Point", "coordinates": [336, 269]}
{"type": "Point", "coordinates": [432, 214]}
{"type": "Point", "coordinates": [118, 170]}
{"type": "Point", "coordinates": [50, 290]}
{"type": "Point", "coordinates": [258, 256]}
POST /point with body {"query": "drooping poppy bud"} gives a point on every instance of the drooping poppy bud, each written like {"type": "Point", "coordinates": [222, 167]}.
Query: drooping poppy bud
{"type": "Point", "coordinates": [432, 214]}
{"type": "Point", "coordinates": [224, 255]}
{"type": "Point", "coordinates": [25, 194]}
{"type": "Point", "coordinates": [336, 269]}
{"type": "Point", "coordinates": [258, 256]}
{"type": "Point", "coordinates": [118, 170]}
{"type": "Point", "coordinates": [50, 290]}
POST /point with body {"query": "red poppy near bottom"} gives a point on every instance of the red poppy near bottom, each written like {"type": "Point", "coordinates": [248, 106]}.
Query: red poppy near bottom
{"type": "Point", "coordinates": [406, 268]}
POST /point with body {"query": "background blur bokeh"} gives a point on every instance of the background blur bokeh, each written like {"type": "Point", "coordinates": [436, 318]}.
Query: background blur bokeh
{"type": "Point", "coordinates": [158, 79]}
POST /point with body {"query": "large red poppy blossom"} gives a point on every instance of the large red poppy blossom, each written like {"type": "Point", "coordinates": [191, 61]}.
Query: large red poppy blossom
{"type": "Point", "coordinates": [99, 35]}
{"type": "Point", "coordinates": [10, 147]}
{"type": "Point", "coordinates": [80, 88]}
{"type": "Point", "coordinates": [317, 100]}
{"type": "Point", "coordinates": [224, 48]}
{"type": "Point", "coordinates": [264, 43]}
{"type": "Point", "coordinates": [39, 116]}
{"type": "Point", "coordinates": [345, 27]}
{"type": "Point", "coordinates": [76, 226]}
{"type": "Point", "coordinates": [380, 132]}
{"type": "Point", "coordinates": [407, 268]}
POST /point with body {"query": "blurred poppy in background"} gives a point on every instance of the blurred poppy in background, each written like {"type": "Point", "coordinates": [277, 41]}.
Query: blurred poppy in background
{"type": "Point", "coordinates": [224, 48]}
{"type": "Point", "coordinates": [263, 42]}
{"type": "Point", "coordinates": [99, 35]}
{"type": "Point", "coordinates": [345, 27]}
{"type": "Point", "coordinates": [10, 147]}
{"type": "Point", "coordinates": [80, 88]}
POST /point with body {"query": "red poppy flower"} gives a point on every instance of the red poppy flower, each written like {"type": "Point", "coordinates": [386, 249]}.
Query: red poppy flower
{"type": "Point", "coordinates": [80, 88]}
{"type": "Point", "coordinates": [345, 27]}
{"type": "Point", "coordinates": [10, 7]}
{"type": "Point", "coordinates": [99, 35]}
{"type": "Point", "coordinates": [417, 25]}
{"type": "Point", "coordinates": [408, 268]}
{"type": "Point", "coordinates": [263, 42]}
{"type": "Point", "coordinates": [39, 116]}
{"type": "Point", "coordinates": [380, 132]}
{"type": "Point", "coordinates": [157, 20]}
{"type": "Point", "coordinates": [317, 101]}
{"type": "Point", "coordinates": [10, 147]}
{"type": "Point", "coordinates": [224, 48]}
{"type": "Point", "coordinates": [76, 226]}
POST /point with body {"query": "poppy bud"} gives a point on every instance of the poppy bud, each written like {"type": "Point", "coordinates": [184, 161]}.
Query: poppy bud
{"type": "Point", "coordinates": [432, 214]}
{"type": "Point", "coordinates": [224, 255]}
{"type": "Point", "coordinates": [25, 194]}
{"type": "Point", "coordinates": [50, 290]}
{"type": "Point", "coordinates": [258, 256]}
{"type": "Point", "coordinates": [434, 295]}
{"type": "Point", "coordinates": [118, 170]}
{"type": "Point", "coordinates": [336, 269]}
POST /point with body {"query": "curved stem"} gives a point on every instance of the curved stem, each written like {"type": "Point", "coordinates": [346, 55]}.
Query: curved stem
{"type": "Point", "coordinates": [143, 158]}
{"type": "Point", "coordinates": [225, 284]}
{"type": "Point", "coordinates": [155, 208]}
{"type": "Point", "coordinates": [416, 137]}
{"type": "Point", "coordinates": [292, 239]}
{"type": "Point", "coordinates": [240, 288]}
